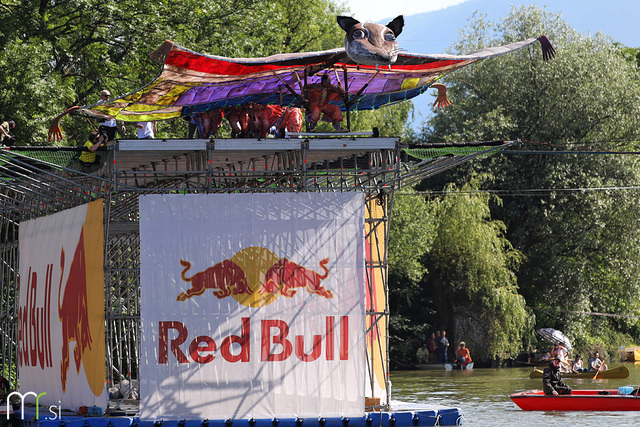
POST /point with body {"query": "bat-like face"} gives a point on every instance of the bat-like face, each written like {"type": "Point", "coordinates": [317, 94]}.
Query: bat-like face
{"type": "Point", "coordinates": [370, 43]}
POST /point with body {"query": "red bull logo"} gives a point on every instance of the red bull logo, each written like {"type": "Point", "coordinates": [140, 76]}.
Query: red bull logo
{"type": "Point", "coordinates": [73, 311]}
{"type": "Point", "coordinates": [255, 277]}
{"type": "Point", "coordinates": [224, 279]}
{"type": "Point", "coordinates": [81, 306]}
{"type": "Point", "coordinates": [286, 276]}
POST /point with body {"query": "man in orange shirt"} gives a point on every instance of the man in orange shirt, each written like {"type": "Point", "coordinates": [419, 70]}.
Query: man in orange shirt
{"type": "Point", "coordinates": [463, 356]}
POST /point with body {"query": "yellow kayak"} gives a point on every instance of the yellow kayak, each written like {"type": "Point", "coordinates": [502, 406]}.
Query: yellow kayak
{"type": "Point", "coordinates": [617, 372]}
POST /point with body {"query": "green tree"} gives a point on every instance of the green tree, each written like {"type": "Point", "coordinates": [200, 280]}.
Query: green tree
{"type": "Point", "coordinates": [411, 236]}
{"type": "Point", "coordinates": [581, 246]}
{"type": "Point", "coordinates": [68, 51]}
{"type": "Point", "coordinates": [472, 275]}
{"type": "Point", "coordinates": [391, 120]}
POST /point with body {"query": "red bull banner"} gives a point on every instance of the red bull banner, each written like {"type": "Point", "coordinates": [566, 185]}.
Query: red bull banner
{"type": "Point", "coordinates": [61, 314]}
{"type": "Point", "coordinates": [252, 305]}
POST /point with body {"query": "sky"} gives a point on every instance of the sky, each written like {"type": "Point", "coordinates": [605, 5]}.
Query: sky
{"type": "Point", "coordinates": [374, 10]}
{"type": "Point", "coordinates": [618, 19]}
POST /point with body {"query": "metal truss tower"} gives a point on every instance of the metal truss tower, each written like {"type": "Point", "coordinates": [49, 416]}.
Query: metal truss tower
{"type": "Point", "coordinates": [39, 181]}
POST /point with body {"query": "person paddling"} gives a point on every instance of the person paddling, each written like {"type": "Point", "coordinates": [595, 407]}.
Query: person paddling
{"type": "Point", "coordinates": [552, 380]}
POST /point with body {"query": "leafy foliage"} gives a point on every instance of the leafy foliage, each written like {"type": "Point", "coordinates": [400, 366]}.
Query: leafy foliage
{"type": "Point", "coordinates": [391, 121]}
{"type": "Point", "coordinates": [472, 275]}
{"type": "Point", "coordinates": [571, 214]}
{"type": "Point", "coordinates": [411, 236]}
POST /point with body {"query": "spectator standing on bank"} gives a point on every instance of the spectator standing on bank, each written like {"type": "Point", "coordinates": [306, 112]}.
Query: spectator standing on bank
{"type": "Point", "coordinates": [443, 346]}
{"type": "Point", "coordinates": [431, 346]}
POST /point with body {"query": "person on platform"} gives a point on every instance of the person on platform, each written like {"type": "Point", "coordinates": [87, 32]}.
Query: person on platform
{"type": "Point", "coordinates": [463, 356]}
{"type": "Point", "coordinates": [552, 379]}
{"type": "Point", "coordinates": [108, 127]}
{"type": "Point", "coordinates": [422, 355]}
{"type": "Point", "coordinates": [5, 133]}
{"type": "Point", "coordinates": [88, 157]}
{"type": "Point", "coordinates": [146, 130]}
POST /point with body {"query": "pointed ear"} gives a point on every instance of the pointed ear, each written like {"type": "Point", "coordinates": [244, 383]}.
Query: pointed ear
{"type": "Point", "coordinates": [346, 22]}
{"type": "Point", "coordinates": [396, 25]}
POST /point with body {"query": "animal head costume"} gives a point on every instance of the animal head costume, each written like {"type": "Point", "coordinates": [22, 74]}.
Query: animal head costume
{"type": "Point", "coordinates": [369, 43]}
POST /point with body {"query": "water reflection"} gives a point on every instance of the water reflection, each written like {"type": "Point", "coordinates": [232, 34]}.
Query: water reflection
{"type": "Point", "coordinates": [481, 394]}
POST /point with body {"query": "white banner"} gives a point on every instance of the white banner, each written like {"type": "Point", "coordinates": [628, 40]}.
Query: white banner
{"type": "Point", "coordinates": [61, 336]}
{"type": "Point", "coordinates": [252, 305]}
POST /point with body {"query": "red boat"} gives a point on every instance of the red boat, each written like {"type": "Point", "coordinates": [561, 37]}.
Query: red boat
{"type": "Point", "coordinates": [578, 400]}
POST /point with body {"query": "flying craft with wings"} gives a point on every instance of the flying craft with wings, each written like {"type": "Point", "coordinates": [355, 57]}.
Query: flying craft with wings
{"type": "Point", "coordinates": [191, 83]}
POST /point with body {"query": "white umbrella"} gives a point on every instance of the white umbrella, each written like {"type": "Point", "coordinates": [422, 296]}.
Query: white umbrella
{"type": "Point", "coordinates": [555, 336]}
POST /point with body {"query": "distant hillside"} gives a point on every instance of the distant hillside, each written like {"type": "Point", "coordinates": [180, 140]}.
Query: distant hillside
{"type": "Point", "coordinates": [434, 32]}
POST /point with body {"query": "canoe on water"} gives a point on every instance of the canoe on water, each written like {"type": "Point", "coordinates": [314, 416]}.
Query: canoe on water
{"type": "Point", "coordinates": [617, 372]}
{"type": "Point", "coordinates": [578, 400]}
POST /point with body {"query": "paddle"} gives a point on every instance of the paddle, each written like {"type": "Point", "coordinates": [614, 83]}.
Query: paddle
{"type": "Point", "coordinates": [599, 367]}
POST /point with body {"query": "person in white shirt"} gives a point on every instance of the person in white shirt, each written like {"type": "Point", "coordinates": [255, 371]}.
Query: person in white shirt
{"type": "Point", "coordinates": [577, 365]}
{"type": "Point", "coordinates": [146, 130]}
{"type": "Point", "coordinates": [563, 354]}
{"type": "Point", "coordinates": [108, 127]}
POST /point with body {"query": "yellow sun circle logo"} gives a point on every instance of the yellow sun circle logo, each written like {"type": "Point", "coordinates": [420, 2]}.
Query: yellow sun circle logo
{"type": "Point", "coordinates": [255, 261]}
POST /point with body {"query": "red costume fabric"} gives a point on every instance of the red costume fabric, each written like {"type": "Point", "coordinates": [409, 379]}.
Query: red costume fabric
{"type": "Point", "coordinates": [264, 117]}
{"type": "Point", "coordinates": [239, 121]}
{"type": "Point", "coordinates": [291, 120]}
{"type": "Point", "coordinates": [209, 122]}
{"type": "Point", "coordinates": [319, 96]}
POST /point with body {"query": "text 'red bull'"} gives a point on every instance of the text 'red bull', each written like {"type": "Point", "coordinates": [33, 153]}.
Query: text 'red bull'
{"type": "Point", "coordinates": [34, 331]}
{"type": "Point", "coordinates": [275, 344]}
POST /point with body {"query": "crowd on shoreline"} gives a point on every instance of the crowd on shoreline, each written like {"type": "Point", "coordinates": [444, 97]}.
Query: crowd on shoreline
{"type": "Point", "coordinates": [435, 350]}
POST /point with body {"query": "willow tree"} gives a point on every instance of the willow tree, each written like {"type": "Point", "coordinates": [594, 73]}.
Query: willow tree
{"type": "Point", "coordinates": [570, 199]}
{"type": "Point", "coordinates": [472, 275]}
{"type": "Point", "coordinates": [411, 236]}
{"type": "Point", "coordinates": [451, 267]}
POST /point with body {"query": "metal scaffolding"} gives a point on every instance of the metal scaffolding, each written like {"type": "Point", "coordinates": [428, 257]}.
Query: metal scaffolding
{"type": "Point", "coordinates": [39, 181]}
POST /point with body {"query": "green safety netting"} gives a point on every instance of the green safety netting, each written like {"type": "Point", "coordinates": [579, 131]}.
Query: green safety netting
{"type": "Point", "coordinates": [58, 156]}
{"type": "Point", "coordinates": [431, 153]}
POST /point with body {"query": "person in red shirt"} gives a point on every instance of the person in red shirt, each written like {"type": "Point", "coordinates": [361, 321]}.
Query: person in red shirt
{"type": "Point", "coordinates": [432, 346]}
{"type": "Point", "coordinates": [463, 357]}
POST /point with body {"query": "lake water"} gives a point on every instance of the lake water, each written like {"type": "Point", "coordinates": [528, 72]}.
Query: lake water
{"type": "Point", "coordinates": [482, 396]}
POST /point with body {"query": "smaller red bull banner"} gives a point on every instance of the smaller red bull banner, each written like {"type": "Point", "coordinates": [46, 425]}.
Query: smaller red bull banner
{"type": "Point", "coordinates": [252, 305]}
{"type": "Point", "coordinates": [61, 332]}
